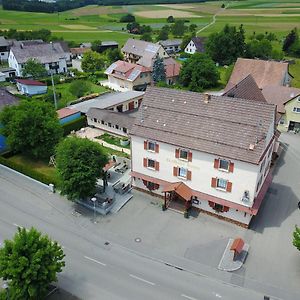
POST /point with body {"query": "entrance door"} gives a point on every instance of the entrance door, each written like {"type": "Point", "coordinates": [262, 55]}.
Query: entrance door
{"type": "Point", "coordinates": [292, 125]}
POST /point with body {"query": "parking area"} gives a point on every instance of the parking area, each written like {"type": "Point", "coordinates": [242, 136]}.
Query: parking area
{"type": "Point", "coordinates": [272, 261]}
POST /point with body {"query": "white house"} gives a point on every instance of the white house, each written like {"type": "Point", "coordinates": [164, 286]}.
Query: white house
{"type": "Point", "coordinates": [210, 152]}
{"type": "Point", "coordinates": [51, 55]}
{"type": "Point", "coordinates": [196, 44]}
{"type": "Point", "coordinates": [4, 49]}
{"type": "Point", "coordinates": [31, 87]}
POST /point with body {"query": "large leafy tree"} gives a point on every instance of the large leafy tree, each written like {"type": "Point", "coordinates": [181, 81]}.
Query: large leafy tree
{"type": "Point", "coordinates": [259, 48]}
{"type": "Point", "coordinates": [91, 62]}
{"type": "Point", "coordinates": [30, 262]}
{"type": "Point", "coordinates": [32, 127]}
{"type": "Point", "coordinates": [159, 72]}
{"type": "Point", "coordinates": [79, 88]}
{"type": "Point", "coordinates": [33, 68]}
{"type": "Point", "coordinates": [79, 163]}
{"type": "Point", "coordinates": [198, 73]}
{"type": "Point", "coordinates": [178, 28]}
{"type": "Point", "coordinates": [290, 39]}
{"type": "Point", "coordinates": [296, 240]}
{"type": "Point", "coordinates": [114, 55]}
{"type": "Point", "coordinates": [227, 45]}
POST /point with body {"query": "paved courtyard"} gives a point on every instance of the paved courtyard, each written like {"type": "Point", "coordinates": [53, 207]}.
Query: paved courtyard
{"type": "Point", "coordinates": [272, 261]}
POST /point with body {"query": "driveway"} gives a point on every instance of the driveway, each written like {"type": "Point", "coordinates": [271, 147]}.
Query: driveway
{"type": "Point", "coordinates": [273, 263]}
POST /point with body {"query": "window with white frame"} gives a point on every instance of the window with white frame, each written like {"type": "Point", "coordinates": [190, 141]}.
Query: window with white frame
{"type": "Point", "coordinates": [224, 164]}
{"type": "Point", "coordinates": [151, 163]}
{"type": "Point", "coordinates": [183, 154]}
{"type": "Point", "coordinates": [151, 146]}
{"type": "Point", "coordinates": [296, 110]}
{"type": "Point", "coordinates": [222, 183]}
{"type": "Point", "coordinates": [182, 172]}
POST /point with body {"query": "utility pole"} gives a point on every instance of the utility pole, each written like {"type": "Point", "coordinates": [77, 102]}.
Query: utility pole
{"type": "Point", "coordinates": [54, 93]}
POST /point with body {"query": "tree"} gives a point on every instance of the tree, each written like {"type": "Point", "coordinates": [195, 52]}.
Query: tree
{"type": "Point", "coordinates": [178, 28]}
{"type": "Point", "coordinates": [159, 72]}
{"type": "Point", "coordinates": [114, 55]}
{"type": "Point", "coordinates": [134, 27]}
{"type": "Point", "coordinates": [227, 45]}
{"type": "Point", "coordinates": [91, 62]}
{"type": "Point", "coordinates": [127, 18]}
{"type": "Point", "coordinates": [296, 239]}
{"type": "Point", "coordinates": [79, 163]}
{"type": "Point", "coordinates": [30, 262]}
{"type": "Point", "coordinates": [33, 68]}
{"type": "Point", "coordinates": [259, 48]}
{"type": "Point", "coordinates": [146, 37]}
{"type": "Point", "coordinates": [163, 35]}
{"type": "Point", "coordinates": [199, 72]}
{"type": "Point", "coordinates": [192, 29]}
{"type": "Point", "coordinates": [79, 88]}
{"type": "Point", "coordinates": [290, 39]}
{"type": "Point", "coordinates": [170, 19]}
{"type": "Point", "coordinates": [96, 45]}
{"type": "Point", "coordinates": [32, 127]}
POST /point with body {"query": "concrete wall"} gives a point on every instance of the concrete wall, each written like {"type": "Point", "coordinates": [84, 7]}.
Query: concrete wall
{"type": "Point", "coordinates": [70, 118]}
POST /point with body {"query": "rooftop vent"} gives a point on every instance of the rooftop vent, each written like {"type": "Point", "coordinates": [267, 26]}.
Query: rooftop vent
{"type": "Point", "coordinates": [251, 147]}
{"type": "Point", "coordinates": [207, 98]}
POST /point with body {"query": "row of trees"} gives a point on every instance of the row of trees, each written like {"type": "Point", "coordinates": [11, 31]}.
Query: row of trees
{"type": "Point", "coordinates": [42, 34]}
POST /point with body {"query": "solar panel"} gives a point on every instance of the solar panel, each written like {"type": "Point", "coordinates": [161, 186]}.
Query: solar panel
{"type": "Point", "coordinates": [111, 68]}
{"type": "Point", "coordinates": [151, 48]}
{"type": "Point", "coordinates": [134, 75]}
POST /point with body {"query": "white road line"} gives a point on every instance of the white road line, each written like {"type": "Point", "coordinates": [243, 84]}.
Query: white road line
{"type": "Point", "coordinates": [141, 279]}
{"type": "Point", "coordinates": [94, 260]}
{"type": "Point", "coordinates": [188, 297]}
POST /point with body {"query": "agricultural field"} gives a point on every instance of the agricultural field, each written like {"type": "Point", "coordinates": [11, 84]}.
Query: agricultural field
{"type": "Point", "coordinates": [102, 22]}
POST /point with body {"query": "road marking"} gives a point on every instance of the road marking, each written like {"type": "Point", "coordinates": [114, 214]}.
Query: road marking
{"type": "Point", "coordinates": [188, 297]}
{"type": "Point", "coordinates": [141, 279]}
{"type": "Point", "coordinates": [94, 260]}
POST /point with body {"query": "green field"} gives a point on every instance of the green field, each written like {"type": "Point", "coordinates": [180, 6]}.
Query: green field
{"type": "Point", "coordinates": [102, 22]}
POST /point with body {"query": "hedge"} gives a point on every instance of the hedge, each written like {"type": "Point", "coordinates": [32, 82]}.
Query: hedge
{"type": "Point", "coordinates": [74, 125]}
{"type": "Point", "coordinates": [28, 171]}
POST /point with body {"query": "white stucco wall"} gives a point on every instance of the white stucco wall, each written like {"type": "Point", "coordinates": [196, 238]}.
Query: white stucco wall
{"type": "Point", "coordinates": [190, 48]}
{"type": "Point", "coordinates": [31, 89]}
{"type": "Point", "coordinates": [4, 55]}
{"type": "Point", "coordinates": [105, 127]}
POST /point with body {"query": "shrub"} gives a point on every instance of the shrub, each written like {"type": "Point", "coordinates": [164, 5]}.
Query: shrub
{"type": "Point", "coordinates": [74, 125]}
{"type": "Point", "coordinates": [79, 87]}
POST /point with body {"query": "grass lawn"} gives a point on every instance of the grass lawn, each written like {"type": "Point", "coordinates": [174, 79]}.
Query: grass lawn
{"type": "Point", "coordinates": [111, 139]}
{"type": "Point", "coordinates": [39, 166]}
{"type": "Point", "coordinates": [109, 152]}
{"type": "Point", "coordinates": [65, 97]}
{"type": "Point", "coordinates": [295, 71]}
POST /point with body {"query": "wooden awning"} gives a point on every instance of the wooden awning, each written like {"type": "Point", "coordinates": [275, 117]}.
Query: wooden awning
{"type": "Point", "coordinates": [181, 189]}
{"type": "Point", "coordinates": [237, 245]}
{"type": "Point", "coordinates": [109, 165]}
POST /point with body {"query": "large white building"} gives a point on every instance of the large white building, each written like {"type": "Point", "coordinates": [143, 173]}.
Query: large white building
{"type": "Point", "coordinates": [51, 55]}
{"type": "Point", "coordinates": [210, 152]}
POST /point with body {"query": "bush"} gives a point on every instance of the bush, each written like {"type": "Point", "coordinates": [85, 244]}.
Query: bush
{"type": "Point", "coordinates": [127, 18]}
{"type": "Point", "coordinates": [79, 87]}
{"type": "Point", "coordinates": [26, 170]}
{"type": "Point", "coordinates": [74, 125]}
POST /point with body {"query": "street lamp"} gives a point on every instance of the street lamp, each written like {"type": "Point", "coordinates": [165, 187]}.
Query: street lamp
{"type": "Point", "coordinates": [5, 286]}
{"type": "Point", "coordinates": [94, 199]}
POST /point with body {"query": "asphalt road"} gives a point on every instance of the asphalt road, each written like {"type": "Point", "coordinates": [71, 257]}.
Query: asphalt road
{"type": "Point", "coordinates": [95, 270]}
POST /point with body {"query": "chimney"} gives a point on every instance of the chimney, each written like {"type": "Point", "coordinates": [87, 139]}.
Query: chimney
{"type": "Point", "coordinates": [207, 98]}
{"type": "Point", "coordinates": [52, 45]}
{"type": "Point", "coordinates": [251, 147]}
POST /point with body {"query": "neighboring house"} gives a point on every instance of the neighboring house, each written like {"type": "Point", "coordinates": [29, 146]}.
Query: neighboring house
{"type": "Point", "coordinates": [212, 153]}
{"type": "Point", "coordinates": [172, 68]}
{"type": "Point", "coordinates": [110, 121]}
{"type": "Point", "coordinates": [8, 72]}
{"type": "Point", "coordinates": [5, 99]}
{"type": "Point", "coordinates": [125, 76]}
{"type": "Point", "coordinates": [51, 55]}
{"type": "Point", "coordinates": [196, 44]}
{"type": "Point", "coordinates": [117, 101]}
{"type": "Point", "coordinates": [86, 45]}
{"type": "Point", "coordinates": [66, 115]}
{"type": "Point", "coordinates": [105, 45]}
{"type": "Point", "coordinates": [4, 49]}
{"type": "Point", "coordinates": [78, 52]}
{"type": "Point", "coordinates": [31, 87]}
{"type": "Point", "coordinates": [64, 45]}
{"type": "Point", "coordinates": [171, 46]}
{"type": "Point", "coordinates": [142, 53]}
{"type": "Point", "coordinates": [287, 100]}
{"type": "Point", "coordinates": [264, 72]}
{"type": "Point", "coordinates": [246, 89]}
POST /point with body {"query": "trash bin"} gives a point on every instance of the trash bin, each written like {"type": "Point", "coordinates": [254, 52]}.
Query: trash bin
{"type": "Point", "coordinates": [51, 187]}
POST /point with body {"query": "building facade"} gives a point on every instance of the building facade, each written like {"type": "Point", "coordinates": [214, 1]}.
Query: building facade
{"type": "Point", "coordinates": [196, 44]}
{"type": "Point", "coordinates": [187, 146]}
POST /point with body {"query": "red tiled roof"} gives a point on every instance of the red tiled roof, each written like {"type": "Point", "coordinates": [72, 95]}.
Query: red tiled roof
{"type": "Point", "coordinates": [79, 50]}
{"type": "Point", "coordinates": [237, 245]}
{"type": "Point", "coordinates": [181, 189]}
{"type": "Point", "coordinates": [31, 82]}
{"type": "Point", "coordinates": [172, 67]}
{"type": "Point", "coordinates": [65, 112]}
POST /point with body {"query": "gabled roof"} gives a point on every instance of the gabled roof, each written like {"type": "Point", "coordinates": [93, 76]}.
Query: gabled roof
{"type": "Point", "coordinates": [199, 43]}
{"type": "Point", "coordinates": [66, 112]}
{"type": "Point", "coordinates": [264, 72]}
{"type": "Point", "coordinates": [30, 82]}
{"type": "Point", "coordinates": [172, 67]}
{"type": "Point", "coordinates": [181, 189]}
{"type": "Point", "coordinates": [168, 43]}
{"type": "Point", "coordinates": [246, 89]}
{"type": "Point", "coordinates": [43, 52]}
{"type": "Point", "coordinates": [3, 42]}
{"type": "Point", "coordinates": [7, 98]}
{"type": "Point", "coordinates": [125, 70]}
{"type": "Point", "coordinates": [279, 95]}
{"type": "Point", "coordinates": [225, 127]}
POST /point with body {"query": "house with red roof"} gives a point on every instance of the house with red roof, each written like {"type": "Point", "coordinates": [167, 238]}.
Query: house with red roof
{"type": "Point", "coordinates": [31, 87]}
{"type": "Point", "coordinates": [66, 115]}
